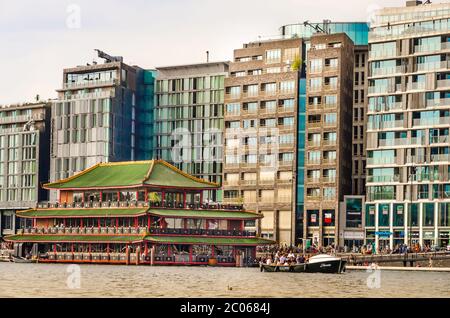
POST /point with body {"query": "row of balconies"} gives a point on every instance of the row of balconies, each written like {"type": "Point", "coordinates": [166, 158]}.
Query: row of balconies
{"type": "Point", "coordinates": [92, 83]}
{"type": "Point", "coordinates": [154, 204]}
{"type": "Point", "coordinates": [400, 88]}
{"type": "Point", "coordinates": [325, 142]}
{"type": "Point", "coordinates": [417, 49]}
{"type": "Point", "coordinates": [402, 69]}
{"type": "Point", "coordinates": [318, 161]}
{"type": "Point", "coordinates": [321, 180]}
{"type": "Point", "coordinates": [169, 231]}
{"type": "Point", "coordinates": [134, 230]}
{"type": "Point", "coordinates": [84, 230]}
{"type": "Point", "coordinates": [255, 182]}
{"type": "Point", "coordinates": [429, 103]}
{"type": "Point", "coordinates": [21, 118]}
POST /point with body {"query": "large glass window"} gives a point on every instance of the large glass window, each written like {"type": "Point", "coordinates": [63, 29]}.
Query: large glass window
{"type": "Point", "coordinates": [383, 215]}
{"type": "Point", "coordinates": [399, 216]}
{"type": "Point", "coordinates": [428, 214]}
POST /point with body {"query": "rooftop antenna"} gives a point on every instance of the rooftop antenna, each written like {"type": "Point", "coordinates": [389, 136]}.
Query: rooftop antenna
{"type": "Point", "coordinates": [315, 27]}
{"type": "Point", "coordinates": [207, 56]}
{"type": "Point", "coordinates": [108, 57]}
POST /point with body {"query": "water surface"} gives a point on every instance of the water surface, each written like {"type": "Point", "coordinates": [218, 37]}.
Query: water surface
{"type": "Point", "coordinates": [51, 280]}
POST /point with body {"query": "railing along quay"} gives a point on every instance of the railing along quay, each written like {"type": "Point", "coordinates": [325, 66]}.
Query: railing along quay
{"type": "Point", "coordinates": [354, 259]}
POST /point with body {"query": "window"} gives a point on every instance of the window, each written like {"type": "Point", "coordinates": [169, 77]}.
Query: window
{"type": "Point", "coordinates": [291, 54]}
{"type": "Point", "coordinates": [315, 83]}
{"type": "Point", "coordinates": [273, 56]}
{"type": "Point", "coordinates": [269, 88]}
{"type": "Point", "coordinates": [252, 90]}
{"type": "Point", "coordinates": [287, 87]}
{"type": "Point", "coordinates": [315, 65]}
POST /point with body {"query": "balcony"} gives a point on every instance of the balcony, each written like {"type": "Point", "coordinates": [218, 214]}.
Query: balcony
{"type": "Point", "coordinates": [432, 66]}
{"type": "Point", "coordinates": [313, 143]}
{"type": "Point", "coordinates": [180, 231]}
{"type": "Point", "coordinates": [440, 158]}
{"type": "Point", "coordinates": [92, 83]}
{"type": "Point", "coordinates": [91, 230]}
{"type": "Point", "coordinates": [313, 197]}
{"type": "Point", "coordinates": [248, 182]}
{"type": "Point", "coordinates": [383, 179]}
{"type": "Point", "coordinates": [313, 180]}
{"type": "Point", "coordinates": [329, 142]}
{"type": "Point", "coordinates": [439, 140]}
{"type": "Point", "coordinates": [431, 48]}
{"type": "Point", "coordinates": [329, 160]}
{"type": "Point", "coordinates": [314, 124]}
{"type": "Point", "coordinates": [329, 124]}
{"type": "Point", "coordinates": [437, 102]}
{"type": "Point", "coordinates": [21, 118]}
{"type": "Point", "coordinates": [415, 86]}
{"type": "Point", "coordinates": [314, 161]}
{"type": "Point", "coordinates": [443, 83]}
{"type": "Point", "coordinates": [328, 179]}
{"type": "Point", "coordinates": [151, 204]}
{"type": "Point", "coordinates": [389, 70]}
{"type": "Point", "coordinates": [432, 121]}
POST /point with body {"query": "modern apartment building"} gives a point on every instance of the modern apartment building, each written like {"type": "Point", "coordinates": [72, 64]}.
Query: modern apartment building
{"type": "Point", "coordinates": [328, 146]}
{"type": "Point", "coordinates": [261, 100]}
{"type": "Point", "coordinates": [24, 159]}
{"type": "Point", "coordinates": [408, 147]}
{"type": "Point", "coordinates": [103, 113]}
{"type": "Point", "coordinates": [358, 32]}
{"type": "Point", "coordinates": [189, 120]}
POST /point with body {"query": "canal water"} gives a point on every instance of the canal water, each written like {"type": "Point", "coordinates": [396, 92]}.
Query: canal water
{"type": "Point", "coordinates": [60, 280]}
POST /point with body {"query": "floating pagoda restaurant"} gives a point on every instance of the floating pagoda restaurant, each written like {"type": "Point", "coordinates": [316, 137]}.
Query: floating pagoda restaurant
{"type": "Point", "coordinates": [143, 212]}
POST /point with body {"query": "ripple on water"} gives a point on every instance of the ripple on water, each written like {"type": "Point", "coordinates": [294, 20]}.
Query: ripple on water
{"type": "Point", "coordinates": [40, 280]}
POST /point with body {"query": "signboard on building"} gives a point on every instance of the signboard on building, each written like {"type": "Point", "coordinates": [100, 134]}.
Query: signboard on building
{"type": "Point", "coordinates": [353, 235]}
{"type": "Point", "coordinates": [383, 233]}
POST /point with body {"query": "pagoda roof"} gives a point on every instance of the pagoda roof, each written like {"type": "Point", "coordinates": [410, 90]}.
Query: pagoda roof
{"type": "Point", "coordinates": [74, 238]}
{"type": "Point", "coordinates": [43, 238]}
{"type": "Point", "coordinates": [157, 173]}
{"type": "Point", "coordinates": [219, 214]}
{"type": "Point", "coordinates": [208, 240]}
{"type": "Point", "coordinates": [82, 212]}
{"type": "Point", "coordinates": [136, 211]}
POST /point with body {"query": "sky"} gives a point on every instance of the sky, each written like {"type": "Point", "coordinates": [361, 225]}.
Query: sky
{"type": "Point", "coordinates": [38, 38]}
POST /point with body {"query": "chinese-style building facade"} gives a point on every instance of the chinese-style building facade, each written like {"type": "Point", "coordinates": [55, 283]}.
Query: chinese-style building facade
{"type": "Point", "coordinates": [143, 212]}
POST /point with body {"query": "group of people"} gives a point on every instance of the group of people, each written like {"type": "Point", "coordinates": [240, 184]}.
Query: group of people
{"type": "Point", "coordinates": [284, 258]}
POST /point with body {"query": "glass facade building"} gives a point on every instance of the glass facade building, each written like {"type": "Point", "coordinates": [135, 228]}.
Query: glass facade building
{"type": "Point", "coordinates": [408, 122]}
{"type": "Point", "coordinates": [189, 119]}
{"type": "Point", "coordinates": [357, 31]}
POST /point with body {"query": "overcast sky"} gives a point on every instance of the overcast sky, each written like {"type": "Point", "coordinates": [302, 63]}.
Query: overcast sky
{"type": "Point", "coordinates": [40, 38]}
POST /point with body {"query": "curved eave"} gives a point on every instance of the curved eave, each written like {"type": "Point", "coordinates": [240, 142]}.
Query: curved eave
{"type": "Point", "coordinates": [193, 240]}
{"type": "Point", "coordinates": [75, 238]}
{"type": "Point", "coordinates": [250, 217]}
{"type": "Point", "coordinates": [34, 213]}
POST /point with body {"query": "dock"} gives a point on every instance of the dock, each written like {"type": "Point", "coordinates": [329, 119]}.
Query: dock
{"type": "Point", "coordinates": [406, 258]}
{"type": "Point", "coordinates": [395, 268]}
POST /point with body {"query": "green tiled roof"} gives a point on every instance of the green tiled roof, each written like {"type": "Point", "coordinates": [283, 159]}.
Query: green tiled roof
{"type": "Point", "coordinates": [208, 240]}
{"type": "Point", "coordinates": [204, 214]}
{"type": "Point", "coordinates": [75, 238]}
{"type": "Point", "coordinates": [131, 173]}
{"type": "Point", "coordinates": [107, 212]}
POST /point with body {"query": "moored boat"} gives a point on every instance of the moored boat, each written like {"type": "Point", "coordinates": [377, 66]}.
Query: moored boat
{"type": "Point", "coordinates": [322, 263]}
{"type": "Point", "coordinates": [16, 259]}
